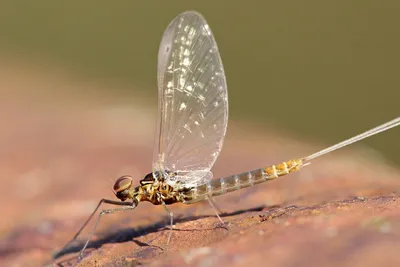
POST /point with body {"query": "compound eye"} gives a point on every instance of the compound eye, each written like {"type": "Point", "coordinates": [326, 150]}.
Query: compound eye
{"type": "Point", "coordinates": [122, 183]}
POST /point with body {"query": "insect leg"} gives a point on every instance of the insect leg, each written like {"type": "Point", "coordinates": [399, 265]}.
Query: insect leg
{"type": "Point", "coordinates": [171, 215]}
{"type": "Point", "coordinates": [107, 201]}
{"type": "Point", "coordinates": [215, 208]}
{"type": "Point", "coordinates": [131, 206]}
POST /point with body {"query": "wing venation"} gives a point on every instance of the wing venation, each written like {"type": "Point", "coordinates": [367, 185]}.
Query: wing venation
{"type": "Point", "coordinates": [193, 101]}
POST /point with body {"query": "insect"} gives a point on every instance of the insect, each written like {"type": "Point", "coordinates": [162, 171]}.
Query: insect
{"type": "Point", "coordinates": [192, 122]}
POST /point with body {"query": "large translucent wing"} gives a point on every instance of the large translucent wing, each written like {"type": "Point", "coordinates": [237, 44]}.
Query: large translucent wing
{"type": "Point", "coordinates": [193, 102]}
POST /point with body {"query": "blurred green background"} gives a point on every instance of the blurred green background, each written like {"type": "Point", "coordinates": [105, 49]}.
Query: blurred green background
{"type": "Point", "coordinates": [321, 70]}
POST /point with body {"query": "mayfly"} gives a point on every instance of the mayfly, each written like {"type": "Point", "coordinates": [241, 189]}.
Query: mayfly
{"type": "Point", "coordinates": [192, 121]}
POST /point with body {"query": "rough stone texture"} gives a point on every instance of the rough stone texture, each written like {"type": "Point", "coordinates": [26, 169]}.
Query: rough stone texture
{"type": "Point", "coordinates": [61, 153]}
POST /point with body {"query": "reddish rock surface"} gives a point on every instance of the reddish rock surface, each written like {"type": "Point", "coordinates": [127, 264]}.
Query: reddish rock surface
{"type": "Point", "coordinates": [61, 151]}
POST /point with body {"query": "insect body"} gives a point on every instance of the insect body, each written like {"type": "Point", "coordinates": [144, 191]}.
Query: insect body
{"type": "Point", "coordinates": [192, 121]}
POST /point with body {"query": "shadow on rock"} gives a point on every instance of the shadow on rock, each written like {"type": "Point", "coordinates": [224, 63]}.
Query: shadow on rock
{"type": "Point", "coordinates": [129, 234]}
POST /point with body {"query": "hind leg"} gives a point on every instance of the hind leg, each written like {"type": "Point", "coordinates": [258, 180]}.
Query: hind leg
{"type": "Point", "coordinates": [215, 208]}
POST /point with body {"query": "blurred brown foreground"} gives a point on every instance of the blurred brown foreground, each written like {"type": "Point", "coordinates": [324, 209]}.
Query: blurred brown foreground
{"type": "Point", "coordinates": [63, 142]}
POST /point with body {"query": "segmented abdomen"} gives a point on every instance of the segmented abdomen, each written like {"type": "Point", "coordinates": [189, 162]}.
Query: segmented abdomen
{"type": "Point", "coordinates": [235, 182]}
